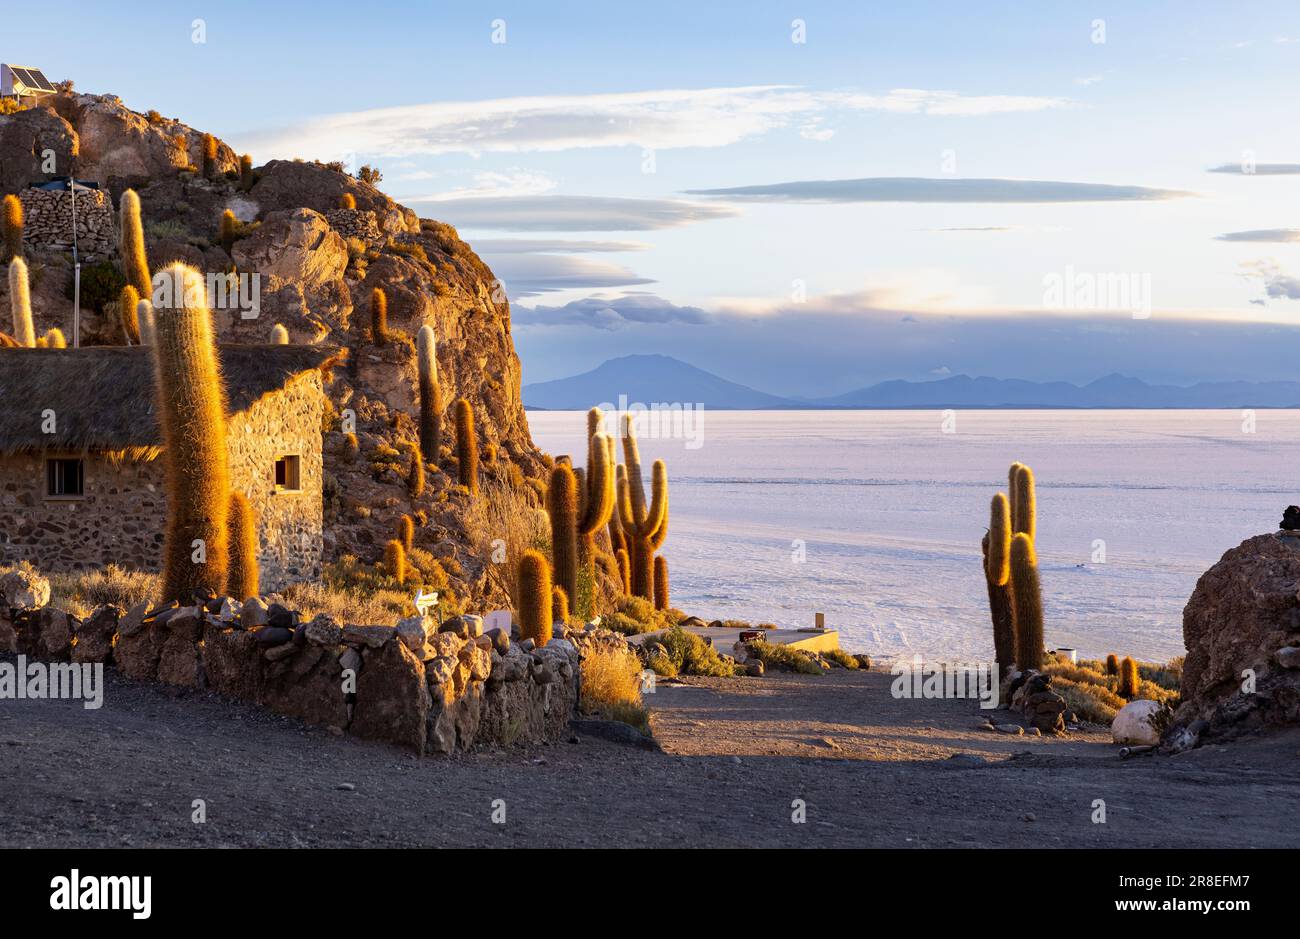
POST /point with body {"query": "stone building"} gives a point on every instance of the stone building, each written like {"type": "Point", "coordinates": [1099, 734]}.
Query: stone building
{"type": "Point", "coordinates": [81, 485]}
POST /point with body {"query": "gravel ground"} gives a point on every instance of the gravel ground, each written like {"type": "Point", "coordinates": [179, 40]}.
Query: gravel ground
{"type": "Point", "coordinates": [740, 757]}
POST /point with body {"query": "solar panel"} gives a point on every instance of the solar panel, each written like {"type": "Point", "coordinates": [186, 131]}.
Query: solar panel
{"type": "Point", "coordinates": [39, 80]}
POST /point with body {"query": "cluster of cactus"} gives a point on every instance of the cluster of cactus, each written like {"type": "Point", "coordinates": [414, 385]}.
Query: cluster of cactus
{"type": "Point", "coordinates": [135, 265]}
{"type": "Point", "coordinates": [578, 505]}
{"type": "Point", "coordinates": [466, 446]}
{"type": "Point", "coordinates": [12, 220]}
{"type": "Point", "coordinates": [536, 598]}
{"type": "Point", "coordinates": [430, 395]}
{"type": "Point", "coordinates": [644, 526]}
{"type": "Point", "coordinates": [192, 412]}
{"type": "Point", "coordinates": [1011, 573]}
{"type": "Point", "coordinates": [20, 302]}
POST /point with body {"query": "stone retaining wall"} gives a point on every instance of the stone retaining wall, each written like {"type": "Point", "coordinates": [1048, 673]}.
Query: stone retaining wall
{"type": "Point", "coordinates": [430, 687]}
{"type": "Point", "coordinates": [47, 220]}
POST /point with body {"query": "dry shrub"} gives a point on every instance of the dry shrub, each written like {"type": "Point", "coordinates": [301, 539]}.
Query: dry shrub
{"type": "Point", "coordinates": [1094, 703]}
{"type": "Point", "coordinates": [503, 514]}
{"type": "Point", "coordinates": [81, 592]}
{"type": "Point", "coordinates": [611, 686]}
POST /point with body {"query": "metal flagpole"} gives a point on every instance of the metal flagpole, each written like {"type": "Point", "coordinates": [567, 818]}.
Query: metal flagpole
{"type": "Point", "coordinates": [76, 266]}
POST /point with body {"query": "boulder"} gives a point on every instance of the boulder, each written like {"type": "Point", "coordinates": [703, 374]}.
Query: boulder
{"type": "Point", "coordinates": [95, 635]}
{"type": "Point", "coordinates": [412, 632]}
{"type": "Point", "coordinates": [392, 697]}
{"type": "Point", "coordinates": [136, 654]}
{"type": "Point", "coordinates": [49, 635]}
{"type": "Point", "coordinates": [1240, 617]}
{"type": "Point", "coordinates": [23, 588]}
{"type": "Point", "coordinates": [1138, 723]}
{"type": "Point", "coordinates": [371, 637]}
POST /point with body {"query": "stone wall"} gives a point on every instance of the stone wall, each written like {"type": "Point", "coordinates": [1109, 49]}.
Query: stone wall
{"type": "Point", "coordinates": [290, 524]}
{"type": "Point", "coordinates": [47, 221]}
{"type": "Point", "coordinates": [121, 516]}
{"type": "Point", "coordinates": [357, 223]}
{"type": "Point", "coordinates": [430, 687]}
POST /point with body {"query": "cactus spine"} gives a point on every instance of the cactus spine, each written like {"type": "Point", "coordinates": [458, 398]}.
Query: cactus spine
{"type": "Point", "coordinates": [13, 227]}
{"type": "Point", "coordinates": [430, 395]}
{"type": "Point", "coordinates": [641, 522]}
{"type": "Point", "coordinates": [395, 560]}
{"type": "Point", "coordinates": [226, 233]}
{"type": "Point", "coordinates": [145, 321]}
{"type": "Point", "coordinates": [378, 316]}
{"type": "Point", "coordinates": [128, 304]}
{"type": "Point", "coordinates": [1027, 602]}
{"type": "Point", "coordinates": [20, 302]}
{"type": "Point", "coordinates": [135, 265]}
{"type": "Point", "coordinates": [1129, 681]}
{"type": "Point", "coordinates": [997, 575]}
{"type": "Point", "coordinates": [244, 575]}
{"type": "Point", "coordinates": [1024, 509]}
{"type": "Point", "coordinates": [192, 411]}
{"type": "Point", "coordinates": [279, 335]}
{"type": "Point", "coordinates": [466, 446]}
{"type": "Point", "coordinates": [406, 531]}
{"type": "Point", "coordinates": [535, 598]}
{"type": "Point", "coordinates": [661, 582]}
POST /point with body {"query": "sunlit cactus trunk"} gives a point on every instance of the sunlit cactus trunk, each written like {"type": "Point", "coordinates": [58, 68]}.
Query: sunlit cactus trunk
{"type": "Point", "coordinates": [661, 583]}
{"type": "Point", "coordinates": [430, 395]}
{"type": "Point", "coordinates": [191, 406]}
{"type": "Point", "coordinates": [244, 579]}
{"type": "Point", "coordinates": [644, 525]}
{"type": "Point", "coordinates": [20, 303]}
{"type": "Point", "coordinates": [1027, 603]}
{"type": "Point", "coordinates": [997, 575]}
{"type": "Point", "coordinates": [535, 598]}
{"type": "Point", "coordinates": [466, 446]}
{"type": "Point", "coordinates": [135, 265]}
{"type": "Point", "coordinates": [13, 227]}
{"type": "Point", "coordinates": [562, 511]}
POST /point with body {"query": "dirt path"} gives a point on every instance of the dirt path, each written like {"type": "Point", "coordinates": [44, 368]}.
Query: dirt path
{"type": "Point", "coordinates": [741, 752]}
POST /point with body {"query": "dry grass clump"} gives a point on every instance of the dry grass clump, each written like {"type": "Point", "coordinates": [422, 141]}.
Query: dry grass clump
{"type": "Point", "coordinates": [352, 591]}
{"type": "Point", "coordinates": [502, 523]}
{"type": "Point", "coordinates": [1093, 691]}
{"type": "Point", "coordinates": [611, 686]}
{"type": "Point", "coordinates": [783, 657]}
{"type": "Point", "coordinates": [840, 657]}
{"type": "Point", "coordinates": [1090, 702]}
{"type": "Point", "coordinates": [688, 654]}
{"type": "Point", "coordinates": [81, 592]}
{"type": "Point", "coordinates": [635, 615]}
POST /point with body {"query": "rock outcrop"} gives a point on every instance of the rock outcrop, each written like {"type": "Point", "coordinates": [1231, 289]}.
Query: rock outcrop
{"type": "Point", "coordinates": [1239, 627]}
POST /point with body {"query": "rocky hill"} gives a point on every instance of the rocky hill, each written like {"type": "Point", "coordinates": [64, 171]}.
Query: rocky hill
{"type": "Point", "coordinates": [318, 264]}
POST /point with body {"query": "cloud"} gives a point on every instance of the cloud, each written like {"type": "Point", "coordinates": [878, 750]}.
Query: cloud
{"type": "Point", "coordinates": [659, 119]}
{"type": "Point", "coordinates": [1258, 169]}
{"type": "Point", "coordinates": [495, 185]}
{"type": "Point", "coordinates": [1277, 284]}
{"type": "Point", "coordinates": [575, 213]}
{"type": "Point", "coordinates": [1274, 235]}
{"type": "Point", "coordinates": [921, 189]}
{"type": "Point", "coordinates": [610, 313]}
{"type": "Point", "coordinates": [553, 246]}
{"type": "Point", "coordinates": [527, 275]}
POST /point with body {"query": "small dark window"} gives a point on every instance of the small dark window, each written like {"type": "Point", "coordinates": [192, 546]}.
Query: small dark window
{"type": "Point", "coordinates": [286, 474]}
{"type": "Point", "coordinates": [63, 477]}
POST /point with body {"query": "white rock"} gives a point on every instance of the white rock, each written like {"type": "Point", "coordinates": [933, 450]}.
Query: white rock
{"type": "Point", "coordinates": [1134, 725]}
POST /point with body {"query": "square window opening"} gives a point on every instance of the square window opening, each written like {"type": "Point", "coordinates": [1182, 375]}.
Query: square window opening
{"type": "Point", "coordinates": [287, 478]}
{"type": "Point", "coordinates": [64, 478]}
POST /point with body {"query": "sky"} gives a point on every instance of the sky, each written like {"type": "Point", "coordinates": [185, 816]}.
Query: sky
{"type": "Point", "coordinates": [803, 197]}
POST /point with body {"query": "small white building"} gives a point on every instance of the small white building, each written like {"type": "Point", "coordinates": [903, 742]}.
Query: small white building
{"type": "Point", "coordinates": [21, 81]}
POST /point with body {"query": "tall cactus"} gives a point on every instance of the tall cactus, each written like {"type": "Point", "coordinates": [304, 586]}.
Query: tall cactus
{"type": "Point", "coordinates": [279, 335]}
{"type": "Point", "coordinates": [246, 178]}
{"type": "Point", "coordinates": [430, 395]}
{"type": "Point", "coordinates": [562, 510]}
{"type": "Point", "coordinates": [395, 560]}
{"type": "Point", "coordinates": [191, 405]}
{"type": "Point", "coordinates": [624, 570]}
{"type": "Point", "coordinates": [661, 582]}
{"type": "Point", "coordinates": [1130, 681]}
{"type": "Point", "coordinates": [406, 531]}
{"type": "Point", "coordinates": [20, 302]}
{"type": "Point", "coordinates": [641, 523]}
{"type": "Point", "coordinates": [466, 446]}
{"type": "Point", "coordinates": [227, 229]}
{"type": "Point", "coordinates": [243, 581]}
{"type": "Point", "coordinates": [144, 319]}
{"type": "Point", "coordinates": [347, 201]}
{"type": "Point", "coordinates": [378, 316]}
{"type": "Point", "coordinates": [12, 217]}
{"type": "Point", "coordinates": [1027, 602]}
{"type": "Point", "coordinates": [128, 306]}
{"type": "Point", "coordinates": [209, 155]}
{"type": "Point", "coordinates": [559, 604]}
{"type": "Point", "coordinates": [415, 476]}
{"type": "Point", "coordinates": [135, 265]}
{"type": "Point", "coordinates": [1024, 507]}
{"type": "Point", "coordinates": [535, 598]}
{"type": "Point", "coordinates": [997, 576]}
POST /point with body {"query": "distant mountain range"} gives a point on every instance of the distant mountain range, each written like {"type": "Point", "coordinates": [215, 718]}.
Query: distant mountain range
{"type": "Point", "coordinates": [659, 378]}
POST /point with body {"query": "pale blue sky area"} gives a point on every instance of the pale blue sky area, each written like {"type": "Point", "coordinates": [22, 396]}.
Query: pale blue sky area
{"type": "Point", "coordinates": [584, 155]}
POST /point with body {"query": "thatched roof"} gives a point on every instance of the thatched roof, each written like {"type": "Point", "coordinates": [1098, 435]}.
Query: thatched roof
{"type": "Point", "coordinates": [103, 396]}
